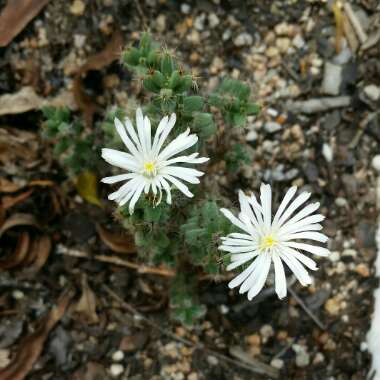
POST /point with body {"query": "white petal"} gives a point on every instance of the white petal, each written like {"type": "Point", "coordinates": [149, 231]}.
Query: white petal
{"type": "Point", "coordinates": [317, 236]}
{"type": "Point", "coordinates": [179, 185]}
{"type": "Point", "coordinates": [254, 276]}
{"type": "Point", "coordinates": [307, 261]}
{"type": "Point", "coordinates": [246, 208]}
{"type": "Point", "coordinates": [186, 174]}
{"type": "Point", "coordinates": [256, 288]}
{"type": "Point", "coordinates": [238, 236]}
{"type": "Point", "coordinates": [238, 242]}
{"type": "Point", "coordinates": [315, 250]}
{"type": "Point", "coordinates": [140, 130]}
{"type": "Point", "coordinates": [301, 215]}
{"type": "Point", "coordinates": [118, 178]}
{"type": "Point", "coordinates": [289, 226]}
{"type": "Point", "coordinates": [166, 186]}
{"type": "Point", "coordinates": [296, 267]}
{"type": "Point", "coordinates": [257, 209]}
{"type": "Point", "coordinates": [120, 159]}
{"type": "Point", "coordinates": [165, 132]}
{"type": "Point", "coordinates": [230, 249]}
{"type": "Point", "coordinates": [126, 140]}
{"type": "Point", "coordinates": [161, 126]}
{"type": "Point", "coordinates": [287, 198]}
{"type": "Point", "coordinates": [132, 133]}
{"type": "Point", "coordinates": [302, 198]}
{"type": "Point", "coordinates": [135, 198]}
{"type": "Point", "coordinates": [179, 144]}
{"type": "Point", "coordinates": [191, 159]}
{"type": "Point", "coordinates": [148, 133]}
{"type": "Point", "coordinates": [228, 214]}
{"type": "Point", "coordinates": [243, 275]}
{"type": "Point", "coordinates": [266, 204]}
{"type": "Point", "coordinates": [280, 279]}
{"type": "Point", "coordinates": [245, 256]}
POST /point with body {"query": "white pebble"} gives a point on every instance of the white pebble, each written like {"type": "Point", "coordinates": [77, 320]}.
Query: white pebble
{"type": "Point", "coordinates": [118, 356]}
{"type": "Point", "coordinates": [376, 163]}
{"type": "Point", "coordinates": [277, 363]}
{"type": "Point", "coordinates": [185, 8]}
{"type": "Point", "coordinates": [116, 370]}
{"type": "Point", "coordinates": [372, 92]}
{"type": "Point", "coordinates": [327, 152]}
{"type": "Point", "coordinates": [18, 294]}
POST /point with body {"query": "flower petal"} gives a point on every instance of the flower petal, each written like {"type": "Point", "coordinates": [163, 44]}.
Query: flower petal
{"type": "Point", "coordinates": [279, 276]}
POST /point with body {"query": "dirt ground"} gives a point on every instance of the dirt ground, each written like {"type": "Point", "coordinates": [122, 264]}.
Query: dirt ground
{"type": "Point", "coordinates": [116, 324]}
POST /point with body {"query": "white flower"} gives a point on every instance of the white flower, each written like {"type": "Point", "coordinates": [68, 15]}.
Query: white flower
{"type": "Point", "coordinates": [150, 165]}
{"type": "Point", "coordinates": [265, 240]}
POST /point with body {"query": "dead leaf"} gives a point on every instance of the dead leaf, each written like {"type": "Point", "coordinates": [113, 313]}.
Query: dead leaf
{"type": "Point", "coordinates": [117, 242]}
{"type": "Point", "coordinates": [7, 186]}
{"type": "Point", "coordinates": [87, 186]}
{"type": "Point", "coordinates": [86, 305]}
{"type": "Point", "coordinates": [338, 15]}
{"type": "Point", "coordinates": [19, 254]}
{"type": "Point", "coordinates": [18, 220]}
{"type": "Point", "coordinates": [15, 16]}
{"type": "Point", "coordinates": [38, 253]}
{"type": "Point", "coordinates": [26, 99]}
{"type": "Point", "coordinates": [95, 62]}
{"type": "Point", "coordinates": [31, 347]}
{"type": "Point", "coordinates": [10, 201]}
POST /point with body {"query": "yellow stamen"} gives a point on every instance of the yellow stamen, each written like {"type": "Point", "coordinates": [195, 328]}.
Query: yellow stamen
{"type": "Point", "coordinates": [267, 242]}
{"type": "Point", "coordinates": [149, 167]}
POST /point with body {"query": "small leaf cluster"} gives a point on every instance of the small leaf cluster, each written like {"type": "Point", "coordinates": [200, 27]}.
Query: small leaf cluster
{"type": "Point", "coordinates": [73, 147]}
{"type": "Point", "coordinates": [232, 97]}
{"type": "Point", "coordinates": [237, 156]}
{"type": "Point", "coordinates": [172, 88]}
{"type": "Point", "coordinates": [202, 231]}
{"type": "Point", "coordinates": [185, 307]}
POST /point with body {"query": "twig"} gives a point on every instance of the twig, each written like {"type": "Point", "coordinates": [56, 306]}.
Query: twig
{"type": "Point", "coordinates": [256, 366]}
{"type": "Point", "coordinates": [355, 23]}
{"type": "Point", "coordinates": [306, 309]}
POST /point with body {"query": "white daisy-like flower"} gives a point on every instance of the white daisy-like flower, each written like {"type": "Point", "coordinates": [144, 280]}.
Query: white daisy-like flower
{"type": "Point", "coordinates": [265, 240]}
{"type": "Point", "coordinates": [150, 164]}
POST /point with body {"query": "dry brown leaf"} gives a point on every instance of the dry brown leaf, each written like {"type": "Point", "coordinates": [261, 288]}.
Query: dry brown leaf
{"type": "Point", "coordinates": [38, 253]}
{"type": "Point", "coordinates": [120, 243]}
{"type": "Point", "coordinates": [32, 346]}
{"type": "Point", "coordinates": [10, 201]}
{"type": "Point", "coordinates": [20, 253]}
{"type": "Point", "coordinates": [95, 62]}
{"type": "Point", "coordinates": [19, 219]}
{"type": "Point", "coordinates": [15, 16]}
{"type": "Point", "coordinates": [86, 305]}
{"type": "Point", "coordinates": [26, 99]}
{"type": "Point", "coordinates": [7, 186]}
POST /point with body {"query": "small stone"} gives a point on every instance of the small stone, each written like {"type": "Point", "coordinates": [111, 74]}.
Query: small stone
{"type": "Point", "coordinates": [213, 20]}
{"type": "Point", "coordinates": [332, 306]}
{"type": "Point", "coordinates": [335, 256]}
{"type": "Point", "coordinates": [116, 370]}
{"type": "Point", "coordinates": [376, 163]}
{"type": "Point", "coordinates": [332, 79]}
{"type": "Point", "coordinates": [79, 40]}
{"type": "Point", "coordinates": [253, 340]}
{"type": "Point", "coordinates": [341, 202]}
{"type": "Point", "coordinates": [283, 44]}
{"type": "Point", "coordinates": [327, 152]}
{"type": "Point", "coordinates": [212, 360]}
{"type": "Point", "coordinates": [298, 41]}
{"type": "Point", "coordinates": [192, 376]}
{"type": "Point", "coordinates": [271, 52]}
{"type": "Point", "coordinates": [199, 22]}
{"type": "Point", "coordinates": [272, 127]}
{"type": "Point", "coordinates": [118, 356]}
{"type": "Point", "coordinates": [372, 92]}
{"type": "Point", "coordinates": [277, 363]}
{"type": "Point", "coordinates": [18, 295]}
{"type": "Point", "coordinates": [251, 136]}
{"type": "Point", "coordinates": [319, 358]}
{"type": "Point", "coordinates": [217, 65]}
{"type": "Point", "coordinates": [266, 332]}
{"type": "Point", "coordinates": [185, 8]}
{"type": "Point", "coordinates": [77, 8]}
{"type": "Point", "coordinates": [161, 23]}
{"type": "Point", "coordinates": [302, 356]}
{"type": "Point", "coordinates": [363, 270]}
{"type": "Point", "coordinates": [243, 39]}
{"type": "Point", "coordinates": [349, 252]}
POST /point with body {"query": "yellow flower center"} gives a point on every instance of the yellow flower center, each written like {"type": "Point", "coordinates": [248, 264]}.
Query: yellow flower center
{"type": "Point", "coordinates": [150, 169]}
{"type": "Point", "coordinates": [267, 242]}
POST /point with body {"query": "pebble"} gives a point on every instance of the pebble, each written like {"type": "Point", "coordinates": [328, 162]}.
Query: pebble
{"type": "Point", "coordinates": [243, 39]}
{"type": "Point", "coordinates": [118, 356]}
{"type": "Point", "coordinates": [372, 92]}
{"type": "Point", "coordinates": [266, 332]}
{"type": "Point", "coordinates": [185, 8]}
{"type": "Point", "coordinates": [18, 295]}
{"type": "Point", "coordinates": [77, 8]}
{"type": "Point", "coordinates": [341, 202]}
{"type": "Point", "coordinates": [319, 358]}
{"type": "Point", "coordinates": [332, 79]}
{"type": "Point", "coordinates": [193, 376]}
{"type": "Point", "coordinates": [349, 252]}
{"type": "Point", "coordinates": [376, 163]}
{"type": "Point", "coordinates": [199, 22]}
{"type": "Point", "coordinates": [213, 20]}
{"type": "Point", "coordinates": [327, 152]}
{"type": "Point", "coordinates": [272, 127]}
{"type": "Point", "coordinates": [212, 360]}
{"type": "Point", "coordinates": [277, 363]}
{"type": "Point", "coordinates": [161, 23]}
{"type": "Point", "coordinates": [363, 270]}
{"type": "Point", "coordinates": [302, 356]}
{"type": "Point", "coordinates": [251, 136]}
{"type": "Point", "coordinates": [335, 256]}
{"type": "Point", "coordinates": [116, 370]}
{"type": "Point", "coordinates": [332, 306]}
{"type": "Point", "coordinates": [298, 41]}
{"type": "Point", "coordinates": [283, 44]}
